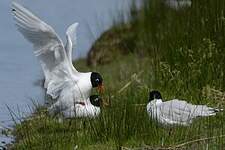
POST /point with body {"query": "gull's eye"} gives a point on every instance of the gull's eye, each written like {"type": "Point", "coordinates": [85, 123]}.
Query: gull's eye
{"type": "Point", "coordinates": [97, 80]}
{"type": "Point", "coordinates": [96, 99]}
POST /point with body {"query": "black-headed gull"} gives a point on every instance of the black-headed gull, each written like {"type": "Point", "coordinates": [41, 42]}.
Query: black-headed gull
{"type": "Point", "coordinates": [175, 112]}
{"type": "Point", "coordinates": [62, 81]}
{"type": "Point", "coordinates": [89, 108]}
{"type": "Point", "coordinates": [178, 4]}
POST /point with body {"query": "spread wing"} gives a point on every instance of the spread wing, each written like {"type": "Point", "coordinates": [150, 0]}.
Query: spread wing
{"type": "Point", "coordinates": [71, 42]}
{"type": "Point", "coordinates": [47, 47]}
{"type": "Point", "coordinates": [179, 110]}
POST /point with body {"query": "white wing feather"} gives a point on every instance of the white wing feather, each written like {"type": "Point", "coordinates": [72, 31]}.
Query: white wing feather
{"type": "Point", "coordinates": [181, 111]}
{"type": "Point", "coordinates": [47, 47]}
{"type": "Point", "coordinates": [71, 42]}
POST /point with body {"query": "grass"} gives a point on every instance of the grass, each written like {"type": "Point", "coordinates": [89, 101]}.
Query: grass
{"type": "Point", "coordinates": [181, 53]}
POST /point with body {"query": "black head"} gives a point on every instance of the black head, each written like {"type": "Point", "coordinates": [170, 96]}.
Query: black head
{"type": "Point", "coordinates": [154, 95]}
{"type": "Point", "coordinates": [96, 79]}
{"type": "Point", "coordinates": [96, 100]}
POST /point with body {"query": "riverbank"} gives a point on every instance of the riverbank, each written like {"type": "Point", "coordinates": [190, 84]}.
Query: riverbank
{"type": "Point", "coordinates": [179, 52]}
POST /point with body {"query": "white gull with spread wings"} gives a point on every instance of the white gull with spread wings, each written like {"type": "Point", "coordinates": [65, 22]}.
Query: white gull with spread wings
{"type": "Point", "coordinates": [62, 81]}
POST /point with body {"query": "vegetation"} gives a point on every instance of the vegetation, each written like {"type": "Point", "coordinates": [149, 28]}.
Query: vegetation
{"type": "Point", "coordinates": [181, 53]}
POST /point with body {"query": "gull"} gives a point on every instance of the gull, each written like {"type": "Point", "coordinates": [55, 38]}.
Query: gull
{"type": "Point", "coordinates": [176, 112]}
{"type": "Point", "coordinates": [81, 109]}
{"type": "Point", "coordinates": [62, 81]}
{"type": "Point", "coordinates": [178, 4]}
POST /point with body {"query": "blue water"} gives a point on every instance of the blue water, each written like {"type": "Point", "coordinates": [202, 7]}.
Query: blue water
{"type": "Point", "coordinates": [19, 68]}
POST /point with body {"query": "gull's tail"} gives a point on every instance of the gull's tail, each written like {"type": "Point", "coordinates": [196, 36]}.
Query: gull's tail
{"type": "Point", "coordinates": [203, 110]}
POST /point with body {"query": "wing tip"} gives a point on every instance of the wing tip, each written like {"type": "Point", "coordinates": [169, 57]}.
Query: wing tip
{"type": "Point", "coordinates": [72, 27]}
{"type": "Point", "coordinates": [14, 5]}
{"type": "Point", "coordinates": [75, 24]}
{"type": "Point", "coordinates": [13, 9]}
{"type": "Point", "coordinates": [218, 110]}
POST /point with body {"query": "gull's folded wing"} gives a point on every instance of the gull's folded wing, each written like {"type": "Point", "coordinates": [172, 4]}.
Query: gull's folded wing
{"type": "Point", "coordinates": [176, 110]}
{"type": "Point", "coordinates": [179, 110]}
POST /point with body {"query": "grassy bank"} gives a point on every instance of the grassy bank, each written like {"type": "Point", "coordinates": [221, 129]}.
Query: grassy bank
{"type": "Point", "coordinates": [181, 53]}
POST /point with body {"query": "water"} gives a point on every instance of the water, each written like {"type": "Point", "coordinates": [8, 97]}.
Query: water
{"type": "Point", "coordinates": [19, 68]}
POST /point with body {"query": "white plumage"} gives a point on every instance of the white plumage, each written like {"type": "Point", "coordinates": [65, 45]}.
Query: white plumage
{"type": "Point", "coordinates": [62, 80]}
{"type": "Point", "coordinates": [178, 4]}
{"type": "Point", "coordinates": [176, 112]}
{"type": "Point", "coordinates": [82, 111]}
{"type": "Point", "coordinates": [89, 108]}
